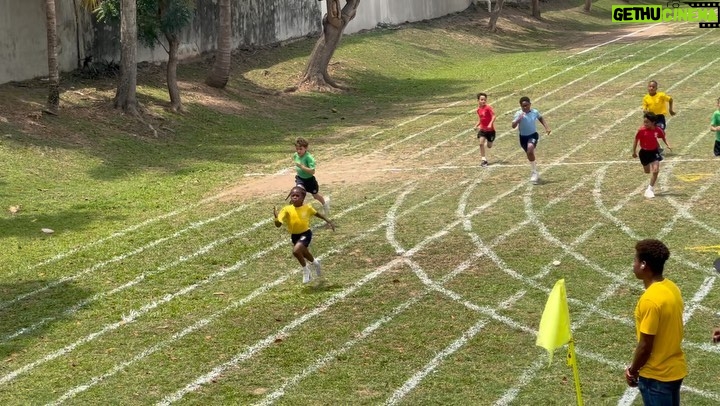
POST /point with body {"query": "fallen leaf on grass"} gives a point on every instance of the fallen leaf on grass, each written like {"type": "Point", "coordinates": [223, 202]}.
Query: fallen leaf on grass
{"type": "Point", "coordinates": [47, 230]}
{"type": "Point", "coordinates": [14, 209]}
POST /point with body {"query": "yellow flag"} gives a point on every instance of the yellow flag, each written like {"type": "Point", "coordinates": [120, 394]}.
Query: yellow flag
{"type": "Point", "coordinates": [554, 331]}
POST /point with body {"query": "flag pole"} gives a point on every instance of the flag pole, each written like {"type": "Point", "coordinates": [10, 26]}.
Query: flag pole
{"type": "Point", "coordinates": [572, 361]}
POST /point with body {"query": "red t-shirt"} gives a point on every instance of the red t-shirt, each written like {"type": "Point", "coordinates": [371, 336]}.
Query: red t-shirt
{"type": "Point", "coordinates": [486, 114]}
{"type": "Point", "coordinates": [648, 138]}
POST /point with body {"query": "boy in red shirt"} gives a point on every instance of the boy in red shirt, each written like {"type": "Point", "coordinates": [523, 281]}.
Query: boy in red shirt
{"type": "Point", "coordinates": [485, 125]}
{"type": "Point", "coordinates": [647, 136]}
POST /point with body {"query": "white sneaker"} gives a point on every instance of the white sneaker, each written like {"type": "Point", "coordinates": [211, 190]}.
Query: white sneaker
{"type": "Point", "coordinates": [318, 268]}
{"type": "Point", "coordinates": [306, 274]}
{"type": "Point", "coordinates": [534, 178]}
{"type": "Point", "coordinates": [326, 206]}
{"type": "Point", "coordinates": [649, 192]}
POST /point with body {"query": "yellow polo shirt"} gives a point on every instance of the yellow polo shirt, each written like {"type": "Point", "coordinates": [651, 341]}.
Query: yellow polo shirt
{"type": "Point", "coordinates": [297, 219]}
{"type": "Point", "coordinates": [659, 312]}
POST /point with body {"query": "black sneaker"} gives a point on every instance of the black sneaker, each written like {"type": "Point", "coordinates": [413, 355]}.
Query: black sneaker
{"type": "Point", "coordinates": [484, 163]}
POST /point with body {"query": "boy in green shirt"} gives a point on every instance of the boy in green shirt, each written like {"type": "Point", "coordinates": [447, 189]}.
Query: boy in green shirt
{"type": "Point", "coordinates": [305, 166]}
{"type": "Point", "coordinates": [715, 126]}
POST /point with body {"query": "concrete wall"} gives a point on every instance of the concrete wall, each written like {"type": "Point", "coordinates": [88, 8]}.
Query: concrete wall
{"type": "Point", "coordinates": [23, 47]}
{"type": "Point", "coordinates": [394, 12]}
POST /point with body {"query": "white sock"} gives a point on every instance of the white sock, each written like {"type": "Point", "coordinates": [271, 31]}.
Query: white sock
{"type": "Point", "coordinates": [315, 262]}
{"type": "Point", "coordinates": [483, 158]}
{"type": "Point", "coordinates": [533, 166]}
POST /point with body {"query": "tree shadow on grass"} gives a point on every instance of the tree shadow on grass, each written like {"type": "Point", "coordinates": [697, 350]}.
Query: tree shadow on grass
{"type": "Point", "coordinates": [23, 321]}
{"type": "Point", "coordinates": [29, 225]}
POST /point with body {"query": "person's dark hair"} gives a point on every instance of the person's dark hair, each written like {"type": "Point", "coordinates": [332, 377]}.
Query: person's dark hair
{"type": "Point", "coordinates": [653, 82]}
{"type": "Point", "coordinates": [651, 116]}
{"type": "Point", "coordinates": [297, 188]}
{"type": "Point", "coordinates": [301, 142]}
{"type": "Point", "coordinates": [653, 253]}
{"type": "Point", "coordinates": [481, 94]}
{"type": "Point", "coordinates": [524, 99]}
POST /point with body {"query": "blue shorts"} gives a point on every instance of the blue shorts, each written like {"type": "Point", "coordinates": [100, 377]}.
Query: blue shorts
{"type": "Point", "coordinates": [529, 139]}
{"type": "Point", "coordinates": [303, 238]}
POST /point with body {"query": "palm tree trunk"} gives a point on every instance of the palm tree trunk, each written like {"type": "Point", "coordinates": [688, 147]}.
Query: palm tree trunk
{"type": "Point", "coordinates": [220, 72]}
{"type": "Point", "coordinates": [173, 90]}
{"type": "Point", "coordinates": [53, 102]}
{"type": "Point", "coordinates": [126, 97]}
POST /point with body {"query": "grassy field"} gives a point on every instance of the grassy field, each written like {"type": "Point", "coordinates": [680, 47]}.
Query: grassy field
{"type": "Point", "coordinates": [165, 281]}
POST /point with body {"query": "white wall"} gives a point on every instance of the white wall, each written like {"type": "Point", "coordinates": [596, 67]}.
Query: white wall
{"type": "Point", "coordinates": [23, 44]}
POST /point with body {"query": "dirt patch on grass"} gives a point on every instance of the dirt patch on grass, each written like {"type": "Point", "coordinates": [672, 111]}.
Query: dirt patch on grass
{"type": "Point", "coordinates": [331, 175]}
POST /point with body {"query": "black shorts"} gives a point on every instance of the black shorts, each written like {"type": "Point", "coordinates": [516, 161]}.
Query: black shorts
{"type": "Point", "coordinates": [303, 238]}
{"type": "Point", "coordinates": [489, 135]}
{"type": "Point", "coordinates": [660, 121]}
{"type": "Point", "coordinates": [529, 139]}
{"type": "Point", "coordinates": [716, 149]}
{"type": "Point", "coordinates": [648, 157]}
{"type": "Point", "coordinates": [310, 184]}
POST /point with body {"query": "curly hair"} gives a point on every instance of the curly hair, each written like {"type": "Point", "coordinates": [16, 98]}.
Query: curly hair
{"type": "Point", "coordinates": [653, 253]}
{"type": "Point", "coordinates": [301, 142]}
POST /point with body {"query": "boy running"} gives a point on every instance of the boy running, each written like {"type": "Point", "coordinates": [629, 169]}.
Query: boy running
{"type": "Point", "coordinates": [658, 103]}
{"type": "Point", "coordinates": [485, 125]}
{"type": "Point", "coordinates": [715, 126]}
{"type": "Point", "coordinates": [525, 119]}
{"type": "Point", "coordinates": [647, 136]}
{"type": "Point", "coordinates": [305, 167]}
{"type": "Point", "coordinates": [296, 217]}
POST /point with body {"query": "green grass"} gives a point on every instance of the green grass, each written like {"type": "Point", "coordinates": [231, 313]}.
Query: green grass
{"type": "Point", "coordinates": [165, 266]}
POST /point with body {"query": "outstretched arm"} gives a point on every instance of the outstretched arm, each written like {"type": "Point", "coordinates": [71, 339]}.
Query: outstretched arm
{"type": "Point", "coordinates": [275, 217]}
{"type": "Point", "coordinates": [327, 220]}
{"type": "Point", "coordinates": [544, 123]}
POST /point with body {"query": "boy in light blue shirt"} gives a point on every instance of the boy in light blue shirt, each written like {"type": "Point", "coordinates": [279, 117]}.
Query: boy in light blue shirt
{"type": "Point", "coordinates": [525, 119]}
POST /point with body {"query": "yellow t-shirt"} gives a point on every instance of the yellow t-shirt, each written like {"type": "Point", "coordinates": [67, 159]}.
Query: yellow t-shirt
{"type": "Point", "coordinates": [659, 312]}
{"type": "Point", "coordinates": [297, 219]}
{"type": "Point", "coordinates": [656, 104]}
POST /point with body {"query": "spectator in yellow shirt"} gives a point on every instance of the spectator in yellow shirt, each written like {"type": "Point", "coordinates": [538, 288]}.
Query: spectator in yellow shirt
{"type": "Point", "coordinates": [658, 366]}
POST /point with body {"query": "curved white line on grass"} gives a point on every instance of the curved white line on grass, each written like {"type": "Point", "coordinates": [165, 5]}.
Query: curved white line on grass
{"type": "Point", "coordinates": [437, 235]}
{"type": "Point", "coordinates": [332, 355]}
{"type": "Point", "coordinates": [201, 323]}
{"type": "Point", "coordinates": [135, 314]}
{"type": "Point", "coordinates": [468, 335]}
{"type": "Point", "coordinates": [119, 258]}
{"type": "Point", "coordinates": [391, 220]}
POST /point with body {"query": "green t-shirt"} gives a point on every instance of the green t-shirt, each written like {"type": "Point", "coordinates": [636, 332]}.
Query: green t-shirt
{"type": "Point", "coordinates": [306, 160]}
{"type": "Point", "coordinates": [716, 122]}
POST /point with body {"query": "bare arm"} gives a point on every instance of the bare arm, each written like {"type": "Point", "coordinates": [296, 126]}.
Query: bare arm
{"type": "Point", "coordinates": [642, 354]}
{"type": "Point", "coordinates": [670, 105]}
{"type": "Point", "coordinates": [544, 123]}
{"type": "Point", "coordinates": [327, 220]}
{"type": "Point", "coordinates": [275, 214]}
{"type": "Point", "coordinates": [635, 144]}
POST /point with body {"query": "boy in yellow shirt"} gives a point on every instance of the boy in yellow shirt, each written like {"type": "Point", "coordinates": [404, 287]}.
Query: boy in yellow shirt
{"type": "Point", "coordinates": [660, 104]}
{"type": "Point", "coordinates": [296, 217]}
{"type": "Point", "coordinates": [658, 366]}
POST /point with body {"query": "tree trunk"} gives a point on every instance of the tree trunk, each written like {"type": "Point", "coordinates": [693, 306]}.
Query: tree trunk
{"type": "Point", "coordinates": [536, 8]}
{"type": "Point", "coordinates": [220, 72]}
{"type": "Point", "coordinates": [334, 22]}
{"type": "Point", "coordinates": [125, 97]}
{"type": "Point", "coordinates": [53, 102]}
{"type": "Point", "coordinates": [492, 24]}
{"type": "Point", "coordinates": [588, 4]}
{"type": "Point", "coordinates": [173, 90]}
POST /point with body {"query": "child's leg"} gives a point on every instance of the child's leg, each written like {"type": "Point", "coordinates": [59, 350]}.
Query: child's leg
{"type": "Point", "coordinates": [655, 169]}
{"type": "Point", "coordinates": [531, 152]}
{"type": "Point", "coordinates": [646, 168]}
{"type": "Point", "coordinates": [319, 198]}
{"type": "Point", "coordinates": [482, 141]}
{"type": "Point", "coordinates": [299, 251]}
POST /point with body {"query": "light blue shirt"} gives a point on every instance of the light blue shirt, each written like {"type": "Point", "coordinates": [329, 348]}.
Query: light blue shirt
{"type": "Point", "coordinates": [527, 124]}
